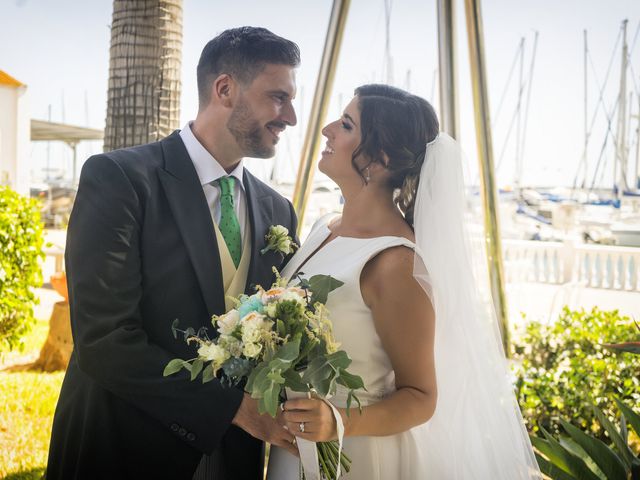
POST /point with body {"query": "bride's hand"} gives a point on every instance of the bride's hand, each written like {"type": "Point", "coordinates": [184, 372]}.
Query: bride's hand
{"type": "Point", "coordinates": [315, 414]}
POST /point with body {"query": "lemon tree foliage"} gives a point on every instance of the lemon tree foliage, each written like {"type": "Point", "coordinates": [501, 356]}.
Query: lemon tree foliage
{"type": "Point", "coordinates": [564, 370]}
{"type": "Point", "coordinates": [21, 241]}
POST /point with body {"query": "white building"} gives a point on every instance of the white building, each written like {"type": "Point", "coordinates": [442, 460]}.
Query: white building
{"type": "Point", "coordinates": [15, 133]}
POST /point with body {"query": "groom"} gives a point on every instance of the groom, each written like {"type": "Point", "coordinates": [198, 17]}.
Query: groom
{"type": "Point", "coordinates": [165, 231]}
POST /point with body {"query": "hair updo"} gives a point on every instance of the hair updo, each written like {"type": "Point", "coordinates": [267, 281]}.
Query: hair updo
{"type": "Point", "coordinates": [398, 124]}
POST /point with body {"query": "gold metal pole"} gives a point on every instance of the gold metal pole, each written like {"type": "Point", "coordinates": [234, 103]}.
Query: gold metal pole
{"type": "Point", "coordinates": [447, 68]}
{"type": "Point", "coordinates": [485, 157]}
{"type": "Point", "coordinates": [319, 107]}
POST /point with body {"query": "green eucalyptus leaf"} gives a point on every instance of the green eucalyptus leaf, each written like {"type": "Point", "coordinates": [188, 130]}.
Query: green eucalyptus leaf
{"type": "Point", "coordinates": [196, 368]}
{"type": "Point", "coordinates": [249, 387]}
{"type": "Point", "coordinates": [308, 347]}
{"type": "Point", "coordinates": [173, 366]}
{"type": "Point", "coordinates": [261, 382]}
{"type": "Point", "coordinates": [237, 368]}
{"type": "Point", "coordinates": [270, 398]}
{"type": "Point", "coordinates": [275, 376]}
{"type": "Point", "coordinates": [350, 380]}
{"type": "Point", "coordinates": [350, 397]}
{"type": "Point", "coordinates": [339, 359]}
{"type": "Point", "coordinates": [174, 328]}
{"type": "Point", "coordinates": [207, 374]}
{"type": "Point", "coordinates": [289, 351]}
{"type": "Point", "coordinates": [294, 381]}
{"type": "Point", "coordinates": [189, 332]}
{"type": "Point", "coordinates": [321, 286]}
{"type": "Point", "coordinates": [325, 387]}
{"type": "Point", "coordinates": [317, 371]}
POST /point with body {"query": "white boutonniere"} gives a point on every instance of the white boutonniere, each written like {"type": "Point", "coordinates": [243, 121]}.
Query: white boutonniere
{"type": "Point", "coordinates": [278, 240]}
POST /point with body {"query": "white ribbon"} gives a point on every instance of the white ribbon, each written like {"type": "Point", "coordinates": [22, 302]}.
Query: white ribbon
{"type": "Point", "coordinates": [309, 450]}
{"type": "Point", "coordinates": [340, 429]}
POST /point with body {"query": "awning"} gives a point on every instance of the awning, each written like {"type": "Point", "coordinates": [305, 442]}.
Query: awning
{"type": "Point", "coordinates": [42, 130]}
{"type": "Point", "coordinates": [9, 81]}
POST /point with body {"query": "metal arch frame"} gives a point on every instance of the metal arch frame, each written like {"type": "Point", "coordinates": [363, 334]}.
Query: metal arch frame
{"type": "Point", "coordinates": [448, 119]}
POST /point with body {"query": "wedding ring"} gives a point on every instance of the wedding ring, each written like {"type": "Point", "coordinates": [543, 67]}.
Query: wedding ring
{"type": "Point", "coordinates": [301, 427]}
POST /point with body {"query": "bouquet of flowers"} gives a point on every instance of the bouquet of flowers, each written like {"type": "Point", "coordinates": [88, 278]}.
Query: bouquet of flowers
{"type": "Point", "coordinates": [275, 339]}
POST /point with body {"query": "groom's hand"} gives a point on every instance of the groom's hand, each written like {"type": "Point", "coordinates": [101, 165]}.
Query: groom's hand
{"type": "Point", "coordinates": [263, 427]}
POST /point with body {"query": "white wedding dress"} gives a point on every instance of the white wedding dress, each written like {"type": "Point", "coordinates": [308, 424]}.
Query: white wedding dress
{"type": "Point", "coordinates": [373, 458]}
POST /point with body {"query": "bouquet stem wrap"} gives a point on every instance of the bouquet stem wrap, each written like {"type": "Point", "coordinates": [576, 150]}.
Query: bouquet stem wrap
{"type": "Point", "coordinates": [309, 450]}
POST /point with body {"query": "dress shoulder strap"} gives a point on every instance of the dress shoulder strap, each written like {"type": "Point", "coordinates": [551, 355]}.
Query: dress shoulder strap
{"type": "Point", "coordinates": [377, 245]}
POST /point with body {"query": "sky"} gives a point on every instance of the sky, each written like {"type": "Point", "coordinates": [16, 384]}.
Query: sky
{"type": "Point", "coordinates": [60, 49]}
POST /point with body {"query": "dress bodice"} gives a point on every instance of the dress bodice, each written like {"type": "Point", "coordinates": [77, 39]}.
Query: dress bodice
{"type": "Point", "coordinates": [344, 259]}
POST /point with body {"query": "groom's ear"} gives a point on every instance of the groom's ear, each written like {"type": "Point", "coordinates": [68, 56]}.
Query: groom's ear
{"type": "Point", "coordinates": [223, 89]}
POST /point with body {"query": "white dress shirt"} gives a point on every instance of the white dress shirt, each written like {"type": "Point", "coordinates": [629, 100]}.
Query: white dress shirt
{"type": "Point", "coordinates": [209, 170]}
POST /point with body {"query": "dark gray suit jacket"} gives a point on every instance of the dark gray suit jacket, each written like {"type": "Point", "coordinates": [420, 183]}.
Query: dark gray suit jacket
{"type": "Point", "coordinates": [141, 252]}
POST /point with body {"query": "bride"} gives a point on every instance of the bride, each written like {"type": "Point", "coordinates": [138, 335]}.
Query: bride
{"type": "Point", "coordinates": [438, 403]}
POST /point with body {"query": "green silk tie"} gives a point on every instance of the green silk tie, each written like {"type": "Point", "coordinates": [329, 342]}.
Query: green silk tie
{"type": "Point", "coordinates": [229, 225]}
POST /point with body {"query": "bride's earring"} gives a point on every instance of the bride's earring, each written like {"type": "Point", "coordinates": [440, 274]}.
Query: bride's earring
{"type": "Point", "coordinates": [368, 175]}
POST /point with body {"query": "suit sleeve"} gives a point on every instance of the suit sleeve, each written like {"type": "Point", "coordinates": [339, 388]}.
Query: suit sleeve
{"type": "Point", "coordinates": [103, 265]}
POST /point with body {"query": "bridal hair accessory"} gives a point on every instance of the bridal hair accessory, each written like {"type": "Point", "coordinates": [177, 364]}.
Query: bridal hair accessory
{"type": "Point", "coordinates": [477, 430]}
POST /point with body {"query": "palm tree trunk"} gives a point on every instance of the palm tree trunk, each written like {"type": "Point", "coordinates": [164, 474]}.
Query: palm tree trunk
{"type": "Point", "coordinates": [143, 101]}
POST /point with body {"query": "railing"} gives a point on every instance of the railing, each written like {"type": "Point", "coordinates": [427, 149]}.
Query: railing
{"type": "Point", "coordinates": [596, 266]}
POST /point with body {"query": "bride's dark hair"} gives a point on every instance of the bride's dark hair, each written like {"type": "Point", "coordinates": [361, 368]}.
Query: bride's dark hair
{"type": "Point", "coordinates": [396, 123]}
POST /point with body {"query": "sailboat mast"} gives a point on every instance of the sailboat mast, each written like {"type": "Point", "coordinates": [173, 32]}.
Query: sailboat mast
{"type": "Point", "coordinates": [637, 178]}
{"type": "Point", "coordinates": [586, 111]}
{"type": "Point", "coordinates": [518, 169]}
{"type": "Point", "coordinates": [621, 150]}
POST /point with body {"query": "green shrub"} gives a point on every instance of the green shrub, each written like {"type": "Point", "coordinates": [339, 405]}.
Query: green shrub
{"type": "Point", "coordinates": [562, 369]}
{"type": "Point", "coordinates": [21, 240]}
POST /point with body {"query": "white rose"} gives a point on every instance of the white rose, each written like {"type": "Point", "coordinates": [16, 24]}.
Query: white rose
{"type": "Point", "coordinates": [251, 327]}
{"type": "Point", "coordinates": [251, 350]}
{"type": "Point", "coordinates": [279, 230]}
{"type": "Point", "coordinates": [295, 295]}
{"type": "Point", "coordinates": [272, 294]}
{"type": "Point", "coordinates": [228, 322]}
{"type": "Point", "coordinates": [214, 353]}
{"type": "Point", "coordinates": [254, 326]}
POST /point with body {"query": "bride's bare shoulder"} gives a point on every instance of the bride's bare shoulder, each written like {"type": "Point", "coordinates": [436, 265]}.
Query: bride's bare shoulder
{"type": "Point", "coordinates": [389, 270]}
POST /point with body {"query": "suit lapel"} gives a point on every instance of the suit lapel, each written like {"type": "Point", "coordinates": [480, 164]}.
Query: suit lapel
{"type": "Point", "coordinates": [191, 212]}
{"type": "Point", "coordinates": [260, 210]}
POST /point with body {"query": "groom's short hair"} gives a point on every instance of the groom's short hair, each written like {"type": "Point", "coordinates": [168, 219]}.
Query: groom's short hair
{"type": "Point", "coordinates": [243, 53]}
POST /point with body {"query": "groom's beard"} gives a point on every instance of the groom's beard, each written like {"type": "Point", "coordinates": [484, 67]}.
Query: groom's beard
{"type": "Point", "coordinates": [248, 132]}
